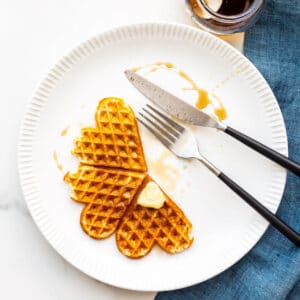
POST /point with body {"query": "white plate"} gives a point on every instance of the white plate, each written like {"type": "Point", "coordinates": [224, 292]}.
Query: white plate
{"type": "Point", "coordinates": [225, 228]}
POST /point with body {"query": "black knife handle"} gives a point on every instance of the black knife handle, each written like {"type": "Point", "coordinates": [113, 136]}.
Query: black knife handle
{"type": "Point", "coordinates": [262, 210]}
{"type": "Point", "coordinates": [264, 150]}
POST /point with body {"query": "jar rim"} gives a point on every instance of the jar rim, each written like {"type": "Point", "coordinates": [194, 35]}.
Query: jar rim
{"type": "Point", "coordinates": [232, 18]}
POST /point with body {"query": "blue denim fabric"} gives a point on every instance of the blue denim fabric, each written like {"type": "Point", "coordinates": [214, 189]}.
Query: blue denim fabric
{"type": "Point", "coordinates": [271, 270]}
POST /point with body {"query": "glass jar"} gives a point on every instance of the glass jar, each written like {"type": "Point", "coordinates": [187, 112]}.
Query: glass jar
{"type": "Point", "coordinates": [224, 17]}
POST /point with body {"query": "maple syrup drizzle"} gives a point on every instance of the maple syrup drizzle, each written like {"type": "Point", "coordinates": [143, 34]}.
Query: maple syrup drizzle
{"type": "Point", "coordinates": [156, 67]}
{"type": "Point", "coordinates": [59, 166]}
{"type": "Point", "coordinates": [166, 172]}
{"type": "Point", "coordinates": [202, 99]}
{"type": "Point", "coordinates": [64, 132]}
{"type": "Point", "coordinates": [219, 110]}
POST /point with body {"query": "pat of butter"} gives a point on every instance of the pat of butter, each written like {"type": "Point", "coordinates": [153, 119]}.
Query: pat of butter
{"type": "Point", "coordinates": [151, 196]}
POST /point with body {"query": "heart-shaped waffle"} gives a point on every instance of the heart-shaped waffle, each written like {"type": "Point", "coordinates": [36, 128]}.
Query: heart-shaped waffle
{"type": "Point", "coordinates": [106, 193]}
{"type": "Point", "coordinates": [115, 142]}
{"type": "Point", "coordinates": [109, 179]}
{"type": "Point", "coordinates": [141, 227]}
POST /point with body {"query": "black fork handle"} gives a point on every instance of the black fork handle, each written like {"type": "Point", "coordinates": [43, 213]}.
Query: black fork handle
{"type": "Point", "coordinates": [264, 150]}
{"type": "Point", "coordinates": [276, 222]}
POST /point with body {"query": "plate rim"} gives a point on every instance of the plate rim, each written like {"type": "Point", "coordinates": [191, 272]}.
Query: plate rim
{"type": "Point", "coordinates": [31, 120]}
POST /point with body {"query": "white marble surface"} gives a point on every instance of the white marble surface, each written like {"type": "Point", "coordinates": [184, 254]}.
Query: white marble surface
{"type": "Point", "coordinates": [34, 34]}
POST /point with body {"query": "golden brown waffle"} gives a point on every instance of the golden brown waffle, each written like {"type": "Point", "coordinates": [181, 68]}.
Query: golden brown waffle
{"type": "Point", "coordinates": [142, 227]}
{"type": "Point", "coordinates": [106, 193]}
{"type": "Point", "coordinates": [115, 142]}
{"type": "Point", "coordinates": [109, 178]}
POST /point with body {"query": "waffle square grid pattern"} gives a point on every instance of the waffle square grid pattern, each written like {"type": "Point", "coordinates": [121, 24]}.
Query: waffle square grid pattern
{"type": "Point", "coordinates": [107, 194]}
{"type": "Point", "coordinates": [110, 176]}
{"type": "Point", "coordinates": [115, 142]}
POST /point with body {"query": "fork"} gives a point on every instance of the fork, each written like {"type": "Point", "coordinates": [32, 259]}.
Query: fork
{"type": "Point", "coordinates": [181, 141]}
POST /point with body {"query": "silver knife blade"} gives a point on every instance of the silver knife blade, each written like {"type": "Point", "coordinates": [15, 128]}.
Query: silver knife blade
{"type": "Point", "coordinates": [171, 104]}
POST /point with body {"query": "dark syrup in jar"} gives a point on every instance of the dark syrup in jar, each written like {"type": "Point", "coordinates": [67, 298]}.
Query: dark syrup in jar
{"type": "Point", "coordinates": [232, 15]}
{"type": "Point", "coordinates": [234, 7]}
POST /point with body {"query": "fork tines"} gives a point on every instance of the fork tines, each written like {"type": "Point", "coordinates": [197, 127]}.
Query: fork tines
{"type": "Point", "coordinates": [164, 128]}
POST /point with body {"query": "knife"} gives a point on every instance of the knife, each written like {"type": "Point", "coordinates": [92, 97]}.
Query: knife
{"type": "Point", "coordinates": [178, 108]}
